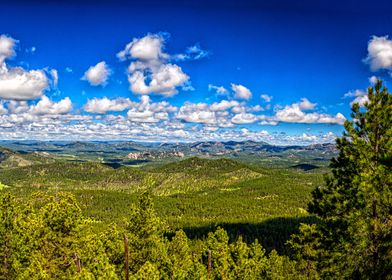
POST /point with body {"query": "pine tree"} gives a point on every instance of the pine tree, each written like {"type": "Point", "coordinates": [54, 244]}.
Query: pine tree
{"type": "Point", "coordinates": [145, 232]}
{"type": "Point", "coordinates": [354, 239]}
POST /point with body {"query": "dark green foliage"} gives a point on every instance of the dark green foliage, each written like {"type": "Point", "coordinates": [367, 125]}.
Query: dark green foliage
{"type": "Point", "coordinates": [354, 239]}
{"type": "Point", "coordinates": [50, 239]}
{"type": "Point", "coordinates": [203, 166]}
{"type": "Point", "coordinates": [145, 232]}
{"type": "Point", "coordinates": [42, 239]}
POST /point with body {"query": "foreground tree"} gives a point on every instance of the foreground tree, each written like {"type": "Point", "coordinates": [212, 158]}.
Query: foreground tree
{"type": "Point", "coordinates": [46, 238]}
{"type": "Point", "coordinates": [354, 238]}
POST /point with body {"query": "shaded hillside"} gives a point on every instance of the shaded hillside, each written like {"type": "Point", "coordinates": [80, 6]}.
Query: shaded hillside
{"type": "Point", "coordinates": [202, 166]}
{"type": "Point", "coordinates": [305, 166]}
{"type": "Point", "coordinates": [12, 159]}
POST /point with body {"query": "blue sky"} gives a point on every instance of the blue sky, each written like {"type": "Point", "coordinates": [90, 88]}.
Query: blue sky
{"type": "Point", "coordinates": [282, 72]}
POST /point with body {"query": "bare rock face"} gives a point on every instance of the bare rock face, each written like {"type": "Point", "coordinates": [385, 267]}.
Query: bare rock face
{"type": "Point", "coordinates": [141, 155]}
{"type": "Point", "coordinates": [155, 155]}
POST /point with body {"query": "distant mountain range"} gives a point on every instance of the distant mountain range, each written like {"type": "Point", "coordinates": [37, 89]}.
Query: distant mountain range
{"type": "Point", "coordinates": [210, 147]}
{"type": "Point", "coordinates": [27, 152]}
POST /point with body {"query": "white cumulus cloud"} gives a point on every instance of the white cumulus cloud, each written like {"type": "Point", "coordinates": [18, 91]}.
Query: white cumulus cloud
{"type": "Point", "coordinates": [20, 84]}
{"type": "Point", "coordinates": [7, 48]}
{"type": "Point", "coordinates": [17, 83]}
{"type": "Point", "coordinates": [163, 80]}
{"type": "Point", "coordinates": [150, 72]}
{"type": "Point", "coordinates": [305, 104]}
{"type": "Point", "coordinates": [294, 113]}
{"type": "Point", "coordinates": [244, 118]}
{"type": "Point", "coordinates": [98, 74]}
{"type": "Point", "coordinates": [379, 53]}
{"type": "Point", "coordinates": [104, 105]}
{"type": "Point", "coordinates": [148, 48]}
{"type": "Point", "coordinates": [146, 111]}
{"type": "Point", "coordinates": [48, 107]}
{"type": "Point", "coordinates": [223, 105]}
{"type": "Point", "coordinates": [241, 92]}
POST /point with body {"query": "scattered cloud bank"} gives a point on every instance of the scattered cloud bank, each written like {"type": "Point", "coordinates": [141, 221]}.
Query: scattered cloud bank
{"type": "Point", "coordinates": [27, 111]}
{"type": "Point", "coordinates": [153, 121]}
{"type": "Point", "coordinates": [98, 74]}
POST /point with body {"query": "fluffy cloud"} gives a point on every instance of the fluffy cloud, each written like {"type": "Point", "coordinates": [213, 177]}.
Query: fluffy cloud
{"type": "Point", "coordinates": [148, 48]}
{"type": "Point", "coordinates": [206, 117]}
{"type": "Point", "coordinates": [98, 74]}
{"type": "Point", "coordinates": [223, 105]}
{"type": "Point", "coordinates": [296, 116]}
{"type": "Point", "coordinates": [7, 48]}
{"type": "Point", "coordinates": [203, 113]}
{"type": "Point", "coordinates": [294, 113]}
{"type": "Point", "coordinates": [150, 71]}
{"type": "Point", "coordinates": [305, 104]}
{"type": "Point", "coordinates": [196, 113]}
{"type": "Point", "coordinates": [163, 80]}
{"type": "Point", "coordinates": [146, 111]}
{"type": "Point", "coordinates": [379, 53]}
{"type": "Point", "coordinates": [17, 83]}
{"type": "Point", "coordinates": [244, 118]}
{"type": "Point", "coordinates": [241, 92]}
{"type": "Point", "coordinates": [17, 107]}
{"type": "Point", "coordinates": [104, 105]}
{"type": "Point", "coordinates": [47, 107]}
